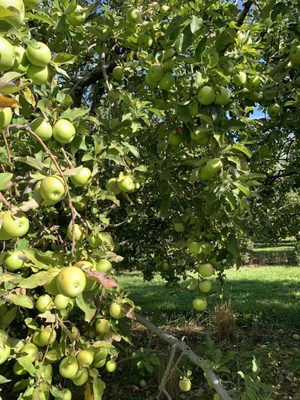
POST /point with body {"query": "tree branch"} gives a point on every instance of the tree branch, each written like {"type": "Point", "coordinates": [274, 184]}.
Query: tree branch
{"type": "Point", "coordinates": [182, 346]}
{"type": "Point", "coordinates": [73, 212]}
{"type": "Point", "coordinates": [241, 18]}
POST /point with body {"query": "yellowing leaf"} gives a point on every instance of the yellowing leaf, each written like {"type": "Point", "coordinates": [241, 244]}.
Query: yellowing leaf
{"type": "Point", "coordinates": [29, 97]}
{"type": "Point", "coordinates": [8, 102]}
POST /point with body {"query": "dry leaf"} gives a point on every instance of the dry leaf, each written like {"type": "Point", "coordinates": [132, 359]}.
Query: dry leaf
{"type": "Point", "coordinates": [8, 102]}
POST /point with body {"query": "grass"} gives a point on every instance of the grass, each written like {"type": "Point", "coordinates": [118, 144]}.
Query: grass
{"type": "Point", "coordinates": [264, 293]}
{"type": "Point", "coordinates": [266, 304]}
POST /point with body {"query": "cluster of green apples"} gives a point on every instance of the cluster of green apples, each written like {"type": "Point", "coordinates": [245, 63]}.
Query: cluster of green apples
{"type": "Point", "coordinates": [158, 77]}
{"type": "Point", "coordinates": [123, 184]}
{"type": "Point", "coordinates": [203, 285]}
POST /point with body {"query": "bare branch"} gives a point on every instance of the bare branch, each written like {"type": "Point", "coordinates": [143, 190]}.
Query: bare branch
{"type": "Point", "coordinates": [241, 18]}
{"type": "Point", "coordinates": [162, 386]}
{"type": "Point", "coordinates": [182, 346]}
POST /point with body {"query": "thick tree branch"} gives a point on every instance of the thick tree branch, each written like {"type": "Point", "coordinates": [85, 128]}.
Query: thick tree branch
{"type": "Point", "coordinates": [281, 174]}
{"type": "Point", "coordinates": [180, 345]}
{"type": "Point", "coordinates": [241, 18]}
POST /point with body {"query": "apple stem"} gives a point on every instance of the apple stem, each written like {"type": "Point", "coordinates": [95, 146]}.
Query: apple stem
{"type": "Point", "coordinates": [189, 353]}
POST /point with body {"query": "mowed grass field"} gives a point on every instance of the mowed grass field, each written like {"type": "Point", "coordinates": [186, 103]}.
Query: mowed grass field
{"type": "Point", "coordinates": [266, 304]}
{"type": "Point", "coordinates": [270, 293]}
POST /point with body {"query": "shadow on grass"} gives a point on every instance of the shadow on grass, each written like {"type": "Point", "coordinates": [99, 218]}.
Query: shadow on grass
{"type": "Point", "coordinates": [277, 302]}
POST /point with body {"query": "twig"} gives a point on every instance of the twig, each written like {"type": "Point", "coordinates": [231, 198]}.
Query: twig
{"type": "Point", "coordinates": [53, 158]}
{"type": "Point", "coordinates": [7, 148]}
{"type": "Point", "coordinates": [4, 201]}
{"type": "Point", "coordinates": [162, 386]}
{"type": "Point", "coordinates": [66, 158]}
{"type": "Point", "coordinates": [104, 68]}
{"type": "Point", "coordinates": [182, 346]}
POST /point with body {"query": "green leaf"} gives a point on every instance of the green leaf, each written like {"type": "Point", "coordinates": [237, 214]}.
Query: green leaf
{"type": "Point", "coordinates": [5, 178]}
{"type": "Point", "coordinates": [98, 388]}
{"type": "Point", "coordinates": [200, 47]}
{"type": "Point", "coordinates": [35, 280]}
{"type": "Point", "coordinates": [27, 365]}
{"type": "Point", "coordinates": [32, 162]}
{"type": "Point", "coordinates": [243, 188]}
{"type": "Point", "coordinates": [74, 113]}
{"type": "Point", "coordinates": [22, 301]}
{"type": "Point", "coordinates": [64, 58]}
{"type": "Point", "coordinates": [41, 17]}
{"type": "Point", "coordinates": [8, 318]}
{"type": "Point", "coordinates": [89, 312]}
{"type": "Point", "coordinates": [4, 380]}
{"type": "Point", "coordinates": [242, 148]}
{"type": "Point", "coordinates": [196, 23]}
{"type": "Point", "coordinates": [233, 248]}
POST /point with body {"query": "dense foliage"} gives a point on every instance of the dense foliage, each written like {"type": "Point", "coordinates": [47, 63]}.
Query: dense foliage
{"type": "Point", "coordinates": [126, 131]}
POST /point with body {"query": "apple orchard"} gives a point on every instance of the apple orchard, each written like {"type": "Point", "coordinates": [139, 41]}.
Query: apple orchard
{"type": "Point", "coordinates": [125, 139]}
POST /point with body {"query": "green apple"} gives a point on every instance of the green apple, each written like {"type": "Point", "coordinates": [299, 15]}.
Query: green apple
{"type": "Point", "coordinates": [64, 131]}
{"type": "Point", "coordinates": [5, 117]}
{"type": "Point", "coordinates": [7, 54]}
{"type": "Point", "coordinates": [104, 266]}
{"type": "Point", "coordinates": [185, 385]}
{"type": "Point", "coordinates": [240, 78]}
{"type": "Point", "coordinates": [145, 41]}
{"type": "Point", "coordinates": [52, 189]}
{"type": "Point", "coordinates": [143, 383]}
{"type": "Point", "coordinates": [151, 84]}
{"type": "Point", "coordinates": [38, 54]}
{"type": "Point", "coordinates": [205, 286]}
{"type": "Point", "coordinates": [116, 310]}
{"type": "Point", "coordinates": [133, 16]}
{"type": "Point", "coordinates": [253, 82]}
{"type": "Point", "coordinates": [210, 169]}
{"type": "Point", "coordinates": [155, 73]}
{"type": "Point", "coordinates": [118, 73]}
{"type": "Point", "coordinates": [222, 96]}
{"type": "Point", "coordinates": [30, 351]}
{"type": "Point", "coordinates": [14, 225]}
{"type": "Point", "coordinates": [100, 357]}
{"type": "Point", "coordinates": [274, 110]}
{"type": "Point", "coordinates": [194, 247]}
{"type": "Point", "coordinates": [79, 232]}
{"type": "Point", "coordinates": [68, 367]}
{"type": "Point", "coordinates": [47, 336]}
{"type": "Point", "coordinates": [85, 357]}
{"type": "Point", "coordinates": [77, 17]}
{"type": "Point", "coordinates": [126, 184]}
{"type": "Point", "coordinates": [164, 266]}
{"type": "Point", "coordinates": [179, 227]}
{"type": "Point", "coordinates": [21, 62]}
{"type": "Point", "coordinates": [36, 339]}
{"type": "Point", "coordinates": [206, 95]}
{"type": "Point", "coordinates": [81, 377]}
{"type": "Point", "coordinates": [71, 281]}
{"type": "Point", "coordinates": [82, 178]}
{"type": "Point", "coordinates": [295, 54]}
{"type": "Point", "coordinates": [61, 302]}
{"type": "Point", "coordinates": [111, 366]}
{"type": "Point", "coordinates": [66, 394]}
{"type": "Point", "coordinates": [200, 136]}
{"type": "Point", "coordinates": [199, 304]}
{"type": "Point", "coordinates": [167, 81]}
{"type": "Point", "coordinates": [44, 303]}
{"type": "Point", "coordinates": [102, 325]}
{"type": "Point", "coordinates": [296, 336]}
{"type": "Point", "coordinates": [112, 186]}
{"type": "Point", "coordinates": [174, 138]}
{"type": "Point", "coordinates": [193, 109]}
{"type": "Point", "coordinates": [12, 262]}
{"type": "Point", "coordinates": [42, 128]}
{"type": "Point", "coordinates": [95, 241]}
{"type": "Point", "coordinates": [206, 270]}
{"type": "Point", "coordinates": [17, 7]}
{"type": "Point", "coordinates": [38, 75]}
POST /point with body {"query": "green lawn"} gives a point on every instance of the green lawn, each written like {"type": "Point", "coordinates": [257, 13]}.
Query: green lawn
{"type": "Point", "coordinates": [264, 293]}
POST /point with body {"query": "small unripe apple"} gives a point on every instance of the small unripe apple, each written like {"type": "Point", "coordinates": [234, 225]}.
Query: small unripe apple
{"type": "Point", "coordinates": [79, 232]}
{"type": "Point", "coordinates": [185, 385]}
{"type": "Point", "coordinates": [116, 310]}
{"type": "Point", "coordinates": [205, 286]}
{"type": "Point", "coordinates": [179, 227]}
{"type": "Point", "coordinates": [47, 336]}
{"type": "Point", "coordinates": [133, 15]}
{"type": "Point", "coordinates": [206, 95]}
{"type": "Point", "coordinates": [64, 131]}
{"type": "Point", "coordinates": [82, 178]}
{"type": "Point", "coordinates": [155, 73]}
{"type": "Point", "coordinates": [44, 303]}
{"type": "Point", "coordinates": [38, 54]}
{"type": "Point", "coordinates": [151, 84]}
{"type": "Point", "coordinates": [102, 325]}
{"type": "Point", "coordinates": [7, 54]}
{"type": "Point", "coordinates": [21, 61]}
{"type": "Point", "coordinates": [195, 247]}
{"type": "Point", "coordinates": [52, 189]}
{"type": "Point", "coordinates": [199, 304]}
{"type": "Point", "coordinates": [5, 117]}
{"type": "Point", "coordinates": [296, 336]}
{"type": "Point", "coordinates": [118, 73]}
{"type": "Point", "coordinates": [240, 78]}
{"type": "Point", "coordinates": [42, 128]}
{"type": "Point", "coordinates": [112, 186]}
{"type": "Point", "coordinates": [104, 266]}
{"type": "Point", "coordinates": [78, 17]}
{"type": "Point", "coordinates": [126, 184]}
{"type": "Point", "coordinates": [145, 41]}
{"type": "Point", "coordinates": [12, 262]}
{"type": "Point", "coordinates": [111, 366]}
{"type": "Point", "coordinates": [17, 17]}
{"type": "Point", "coordinates": [38, 75]}
{"type": "Point", "coordinates": [85, 357]}
{"type": "Point", "coordinates": [61, 302]}
{"type": "Point", "coordinates": [14, 225]}
{"type": "Point", "coordinates": [206, 270]}
{"type": "Point", "coordinates": [274, 110]}
{"type": "Point", "coordinates": [174, 138]}
{"type": "Point", "coordinates": [222, 96]}
{"type": "Point", "coordinates": [167, 81]}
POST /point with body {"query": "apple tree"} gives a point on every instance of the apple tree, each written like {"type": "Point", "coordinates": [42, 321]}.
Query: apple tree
{"type": "Point", "coordinates": [125, 133]}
